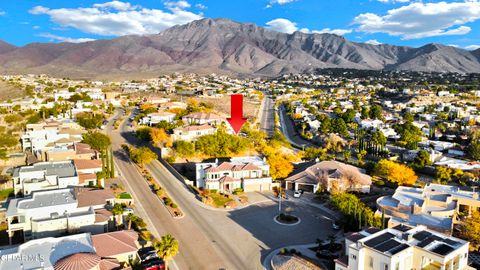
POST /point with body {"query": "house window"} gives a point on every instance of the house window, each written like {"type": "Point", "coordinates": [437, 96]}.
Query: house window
{"type": "Point", "coordinates": [370, 262]}
{"type": "Point", "coordinates": [354, 257]}
{"type": "Point", "coordinates": [385, 267]}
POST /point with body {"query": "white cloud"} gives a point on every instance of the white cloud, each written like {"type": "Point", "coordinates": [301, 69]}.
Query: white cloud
{"type": "Point", "coordinates": [36, 27]}
{"type": "Point", "coordinates": [339, 32]}
{"type": "Point", "coordinates": [373, 42]}
{"type": "Point", "coordinates": [287, 26]}
{"type": "Point", "coordinates": [393, 1]}
{"type": "Point", "coordinates": [2, 13]}
{"type": "Point", "coordinates": [472, 47]}
{"type": "Point", "coordinates": [53, 37]}
{"type": "Point", "coordinates": [116, 5]}
{"type": "Point", "coordinates": [178, 5]}
{"type": "Point", "coordinates": [108, 20]}
{"type": "Point", "coordinates": [278, 2]}
{"type": "Point", "coordinates": [282, 25]}
{"type": "Point", "coordinates": [420, 20]}
{"type": "Point", "coordinates": [201, 6]}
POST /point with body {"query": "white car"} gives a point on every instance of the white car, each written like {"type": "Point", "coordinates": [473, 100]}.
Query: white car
{"type": "Point", "coordinates": [297, 194]}
{"type": "Point", "coordinates": [127, 211]}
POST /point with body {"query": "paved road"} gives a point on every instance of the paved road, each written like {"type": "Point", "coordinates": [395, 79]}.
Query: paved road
{"type": "Point", "coordinates": [288, 129]}
{"type": "Point", "coordinates": [210, 239]}
{"type": "Point", "coordinates": [267, 111]}
{"type": "Point", "coordinates": [196, 251]}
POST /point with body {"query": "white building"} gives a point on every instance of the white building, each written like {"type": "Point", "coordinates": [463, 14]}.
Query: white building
{"type": "Point", "coordinates": [55, 174]}
{"type": "Point", "coordinates": [56, 212]}
{"type": "Point", "coordinates": [250, 173]}
{"type": "Point", "coordinates": [403, 247]}
{"type": "Point", "coordinates": [191, 133]}
{"type": "Point", "coordinates": [155, 118]}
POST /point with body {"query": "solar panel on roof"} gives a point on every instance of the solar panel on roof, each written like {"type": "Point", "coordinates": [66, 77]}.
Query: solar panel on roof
{"type": "Point", "coordinates": [442, 249]}
{"type": "Point", "coordinates": [379, 239]}
{"type": "Point", "coordinates": [425, 242]}
{"type": "Point", "coordinates": [397, 249]}
{"type": "Point", "coordinates": [388, 245]}
{"type": "Point", "coordinates": [450, 242]}
{"type": "Point", "coordinates": [421, 235]}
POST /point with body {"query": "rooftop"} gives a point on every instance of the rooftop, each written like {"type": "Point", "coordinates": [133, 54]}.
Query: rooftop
{"type": "Point", "coordinates": [60, 168]}
{"type": "Point", "coordinates": [45, 252]}
{"type": "Point", "coordinates": [394, 240]}
{"type": "Point", "coordinates": [39, 199]}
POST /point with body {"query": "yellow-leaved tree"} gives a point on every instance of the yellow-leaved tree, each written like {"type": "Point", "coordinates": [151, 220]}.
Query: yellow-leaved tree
{"type": "Point", "coordinates": [396, 172]}
{"type": "Point", "coordinates": [160, 137]}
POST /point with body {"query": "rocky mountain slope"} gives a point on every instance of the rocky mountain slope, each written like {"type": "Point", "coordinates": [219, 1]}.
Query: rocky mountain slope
{"type": "Point", "coordinates": [225, 46]}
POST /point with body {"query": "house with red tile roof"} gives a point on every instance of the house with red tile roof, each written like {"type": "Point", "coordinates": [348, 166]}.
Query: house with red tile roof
{"type": "Point", "coordinates": [249, 173]}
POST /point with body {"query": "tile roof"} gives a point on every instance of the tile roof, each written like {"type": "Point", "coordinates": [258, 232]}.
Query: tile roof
{"type": "Point", "coordinates": [92, 196]}
{"type": "Point", "coordinates": [84, 164]}
{"type": "Point", "coordinates": [78, 261]}
{"type": "Point", "coordinates": [115, 243]}
{"type": "Point", "coordinates": [84, 177]}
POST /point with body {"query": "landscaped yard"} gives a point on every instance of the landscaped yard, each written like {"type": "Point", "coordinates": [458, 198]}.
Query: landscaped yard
{"type": "Point", "coordinates": [219, 200]}
{"type": "Point", "coordinates": [124, 195]}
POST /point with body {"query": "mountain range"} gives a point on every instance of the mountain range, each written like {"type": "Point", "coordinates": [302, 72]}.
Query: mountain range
{"type": "Point", "coordinates": [225, 46]}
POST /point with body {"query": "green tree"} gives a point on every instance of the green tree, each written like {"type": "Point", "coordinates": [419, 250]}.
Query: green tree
{"type": "Point", "coordinates": [142, 155]}
{"type": "Point", "coordinates": [421, 160]}
{"type": "Point", "coordinates": [167, 248]}
{"type": "Point", "coordinates": [97, 140]}
{"type": "Point", "coordinates": [184, 148]}
{"type": "Point", "coordinates": [143, 134]}
{"type": "Point", "coordinates": [117, 211]}
{"type": "Point", "coordinates": [470, 230]}
{"type": "Point", "coordinates": [90, 120]}
{"type": "Point", "coordinates": [376, 112]}
{"type": "Point", "coordinates": [443, 174]}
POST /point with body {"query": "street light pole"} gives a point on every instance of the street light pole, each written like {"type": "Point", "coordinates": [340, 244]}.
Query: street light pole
{"type": "Point", "coordinates": [280, 201]}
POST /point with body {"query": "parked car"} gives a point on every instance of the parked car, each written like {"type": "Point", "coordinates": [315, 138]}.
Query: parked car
{"type": "Point", "coordinates": [297, 194]}
{"type": "Point", "coordinates": [336, 225]}
{"type": "Point", "coordinates": [156, 264]}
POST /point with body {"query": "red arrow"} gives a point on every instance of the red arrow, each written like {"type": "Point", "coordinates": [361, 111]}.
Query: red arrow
{"type": "Point", "coordinates": [236, 119]}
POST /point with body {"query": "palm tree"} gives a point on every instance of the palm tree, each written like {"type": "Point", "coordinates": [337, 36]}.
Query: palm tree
{"type": "Point", "coordinates": [166, 248]}
{"type": "Point", "coordinates": [117, 210]}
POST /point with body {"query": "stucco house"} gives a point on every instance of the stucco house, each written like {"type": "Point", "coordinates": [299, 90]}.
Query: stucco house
{"type": "Point", "coordinates": [191, 133]}
{"type": "Point", "coordinates": [56, 212]}
{"type": "Point", "coordinates": [250, 173]}
{"type": "Point", "coordinates": [330, 175]}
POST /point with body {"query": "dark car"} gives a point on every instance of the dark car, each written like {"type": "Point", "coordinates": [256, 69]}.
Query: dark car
{"type": "Point", "coordinates": [155, 264]}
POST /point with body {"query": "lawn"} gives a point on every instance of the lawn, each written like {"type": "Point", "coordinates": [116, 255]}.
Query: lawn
{"type": "Point", "coordinates": [4, 194]}
{"type": "Point", "coordinates": [219, 200]}
{"type": "Point", "coordinates": [124, 195]}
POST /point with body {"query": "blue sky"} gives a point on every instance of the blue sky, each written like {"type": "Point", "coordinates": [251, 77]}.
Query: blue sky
{"type": "Point", "coordinates": [400, 22]}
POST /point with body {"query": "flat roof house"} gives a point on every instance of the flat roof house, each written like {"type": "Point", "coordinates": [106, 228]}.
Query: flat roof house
{"type": "Point", "coordinates": [250, 173]}
{"type": "Point", "coordinates": [331, 175]}
{"type": "Point", "coordinates": [61, 211]}
{"type": "Point", "coordinates": [435, 206]}
{"type": "Point", "coordinates": [55, 174]}
{"type": "Point", "coordinates": [403, 247]}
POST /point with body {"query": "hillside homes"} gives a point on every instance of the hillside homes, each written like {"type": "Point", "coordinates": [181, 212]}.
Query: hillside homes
{"type": "Point", "coordinates": [249, 173]}
{"type": "Point", "coordinates": [49, 134]}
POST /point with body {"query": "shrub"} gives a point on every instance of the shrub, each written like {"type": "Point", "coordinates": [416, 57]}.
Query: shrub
{"type": "Point", "coordinates": [237, 191]}
{"type": "Point", "coordinates": [173, 206]}
{"type": "Point", "coordinates": [167, 200]}
{"type": "Point", "coordinates": [160, 192]}
{"type": "Point", "coordinates": [214, 191]}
